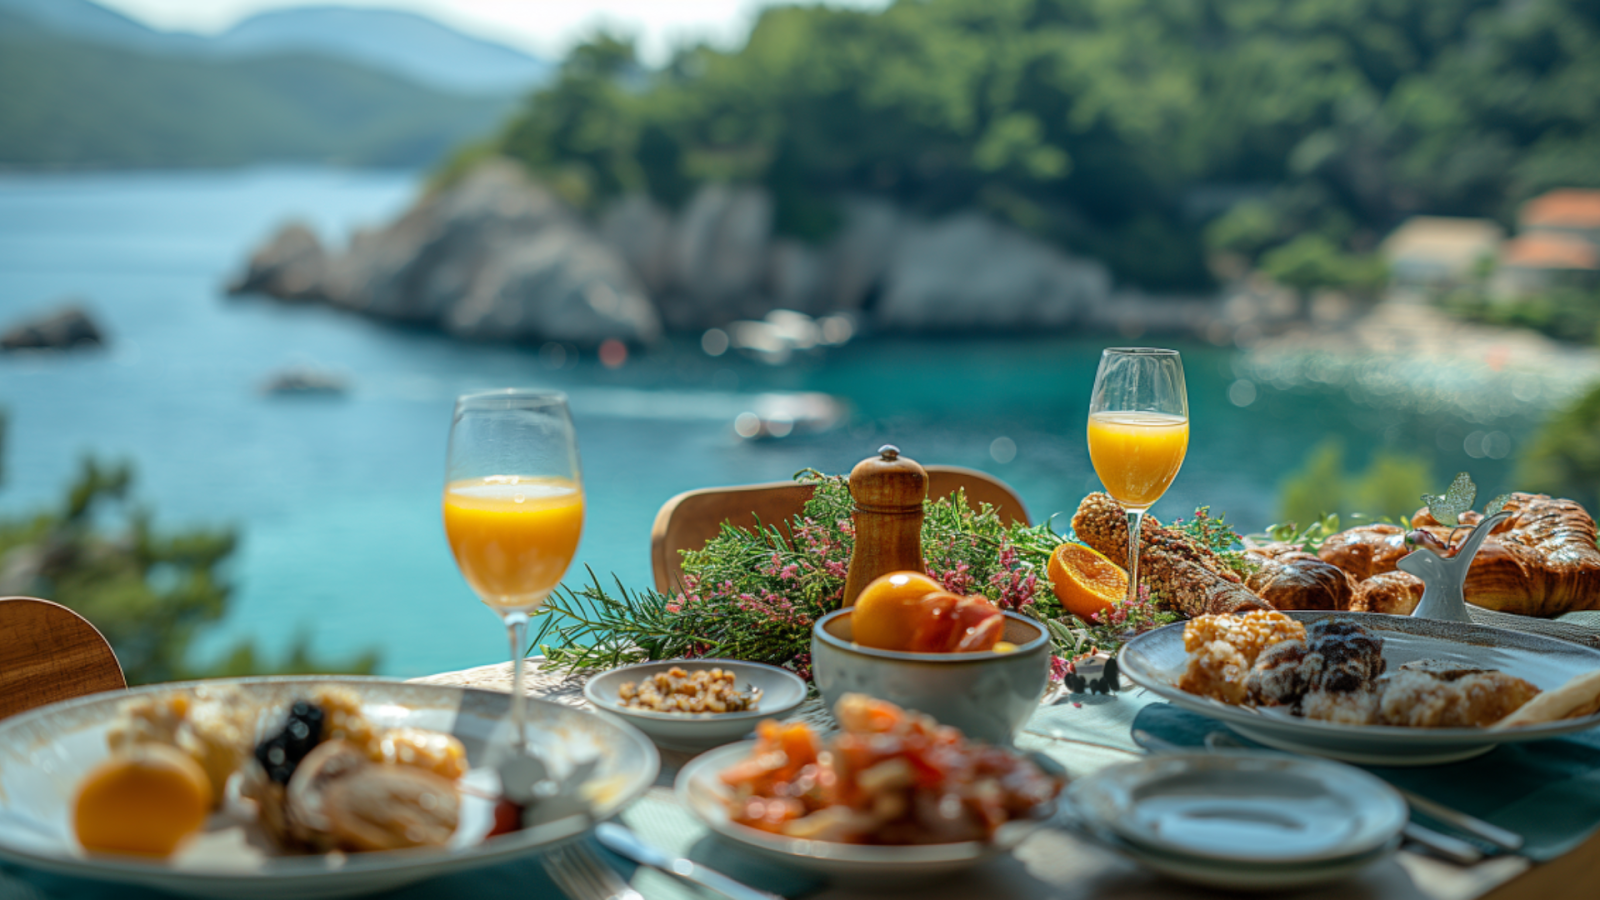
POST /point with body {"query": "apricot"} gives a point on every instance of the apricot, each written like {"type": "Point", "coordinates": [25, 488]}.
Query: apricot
{"type": "Point", "coordinates": [143, 800]}
{"type": "Point", "coordinates": [951, 623]}
{"type": "Point", "coordinates": [908, 611]}
{"type": "Point", "coordinates": [888, 608]}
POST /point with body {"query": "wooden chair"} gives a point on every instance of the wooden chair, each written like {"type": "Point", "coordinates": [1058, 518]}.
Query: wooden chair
{"type": "Point", "coordinates": [689, 520]}
{"type": "Point", "coordinates": [50, 653]}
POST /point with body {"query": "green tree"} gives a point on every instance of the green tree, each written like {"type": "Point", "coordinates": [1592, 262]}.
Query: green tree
{"type": "Point", "coordinates": [148, 592]}
{"type": "Point", "coordinates": [1104, 127]}
{"type": "Point", "coordinates": [1388, 488]}
{"type": "Point", "coordinates": [1563, 458]}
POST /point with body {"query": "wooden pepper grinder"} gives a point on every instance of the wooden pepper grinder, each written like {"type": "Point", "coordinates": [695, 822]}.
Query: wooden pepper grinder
{"type": "Point", "coordinates": [888, 490]}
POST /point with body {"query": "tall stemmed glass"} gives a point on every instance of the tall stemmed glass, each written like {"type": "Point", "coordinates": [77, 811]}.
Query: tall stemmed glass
{"type": "Point", "coordinates": [1138, 433]}
{"type": "Point", "coordinates": [513, 508]}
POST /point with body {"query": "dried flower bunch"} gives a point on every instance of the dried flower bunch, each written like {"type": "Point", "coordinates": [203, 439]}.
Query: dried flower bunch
{"type": "Point", "coordinates": [753, 594]}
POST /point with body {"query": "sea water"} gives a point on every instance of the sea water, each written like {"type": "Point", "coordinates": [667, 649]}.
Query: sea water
{"type": "Point", "coordinates": [337, 498]}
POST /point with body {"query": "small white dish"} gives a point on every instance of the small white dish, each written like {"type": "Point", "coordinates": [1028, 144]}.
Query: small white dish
{"type": "Point", "coordinates": [1244, 808]}
{"type": "Point", "coordinates": [781, 691]}
{"type": "Point", "coordinates": [700, 789]}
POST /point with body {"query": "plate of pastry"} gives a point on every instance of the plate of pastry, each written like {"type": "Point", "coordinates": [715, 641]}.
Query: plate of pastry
{"type": "Point", "coordinates": [304, 787]}
{"type": "Point", "coordinates": [1367, 687]}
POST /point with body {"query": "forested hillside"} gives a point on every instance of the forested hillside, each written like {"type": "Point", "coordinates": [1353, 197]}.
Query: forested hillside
{"type": "Point", "coordinates": [1147, 134]}
{"type": "Point", "coordinates": [71, 104]}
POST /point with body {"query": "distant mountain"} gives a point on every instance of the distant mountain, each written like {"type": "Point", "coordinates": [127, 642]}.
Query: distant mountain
{"type": "Point", "coordinates": [399, 43]}
{"type": "Point", "coordinates": [86, 21]}
{"type": "Point", "coordinates": [75, 104]}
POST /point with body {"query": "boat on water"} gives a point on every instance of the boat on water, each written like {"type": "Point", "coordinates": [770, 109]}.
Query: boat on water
{"type": "Point", "coordinates": [303, 380]}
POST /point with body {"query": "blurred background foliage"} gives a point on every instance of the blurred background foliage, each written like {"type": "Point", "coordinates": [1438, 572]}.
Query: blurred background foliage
{"type": "Point", "coordinates": [149, 593]}
{"type": "Point", "coordinates": [1146, 134]}
{"type": "Point", "coordinates": [1391, 486]}
{"type": "Point", "coordinates": [1563, 458]}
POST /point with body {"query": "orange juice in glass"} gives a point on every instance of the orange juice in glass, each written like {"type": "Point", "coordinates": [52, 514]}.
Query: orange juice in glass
{"type": "Point", "coordinates": [513, 536]}
{"type": "Point", "coordinates": [1138, 433]}
{"type": "Point", "coordinates": [513, 509]}
{"type": "Point", "coordinates": [1137, 454]}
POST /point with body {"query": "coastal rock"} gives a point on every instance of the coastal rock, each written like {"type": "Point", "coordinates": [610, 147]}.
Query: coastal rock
{"type": "Point", "coordinates": [641, 233]}
{"type": "Point", "coordinates": [66, 328]}
{"type": "Point", "coordinates": [494, 257]}
{"type": "Point", "coordinates": [858, 256]}
{"type": "Point", "coordinates": [291, 266]}
{"type": "Point", "coordinates": [499, 257]}
{"type": "Point", "coordinates": [555, 285]}
{"type": "Point", "coordinates": [968, 272]}
{"type": "Point", "coordinates": [718, 258]}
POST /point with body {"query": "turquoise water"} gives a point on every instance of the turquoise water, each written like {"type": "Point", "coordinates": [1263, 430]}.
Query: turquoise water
{"type": "Point", "coordinates": [337, 499]}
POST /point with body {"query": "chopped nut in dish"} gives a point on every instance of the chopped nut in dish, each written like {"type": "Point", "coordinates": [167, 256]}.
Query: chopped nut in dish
{"type": "Point", "coordinates": [677, 691]}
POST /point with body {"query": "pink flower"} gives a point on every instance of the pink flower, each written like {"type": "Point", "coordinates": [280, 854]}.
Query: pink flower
{"type": "Point", "coordinates": [1059, 668]}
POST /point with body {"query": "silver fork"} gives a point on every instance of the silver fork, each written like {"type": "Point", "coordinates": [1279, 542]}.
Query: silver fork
{"type": "Point", "coordinates": [582, 875]}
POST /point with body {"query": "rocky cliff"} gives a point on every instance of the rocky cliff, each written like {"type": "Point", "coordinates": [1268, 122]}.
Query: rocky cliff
{"type": "Point", "coordinates": [499, 257]}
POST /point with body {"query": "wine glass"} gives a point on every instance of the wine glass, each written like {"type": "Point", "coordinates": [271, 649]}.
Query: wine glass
{"type": "Point", "coordinates": [1138, 433]}
{"type": "Point", "coordinates": [513, 508]}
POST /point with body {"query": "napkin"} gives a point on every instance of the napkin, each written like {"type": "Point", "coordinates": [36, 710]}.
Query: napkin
{"type": "Point", "coordinates": [1547, 791]}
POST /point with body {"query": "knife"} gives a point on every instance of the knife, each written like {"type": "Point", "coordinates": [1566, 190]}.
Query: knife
{"type": "Point", "coordinates": [624, 842]}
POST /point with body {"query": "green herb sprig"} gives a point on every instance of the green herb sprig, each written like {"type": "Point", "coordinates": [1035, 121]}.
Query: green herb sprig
{"type": "Point", "coordinates": [754, 593]}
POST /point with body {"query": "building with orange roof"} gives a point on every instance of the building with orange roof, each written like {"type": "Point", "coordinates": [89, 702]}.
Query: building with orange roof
{"type": "Point", "coordinates": [1568, 210]}
{"type": "Point", "coordinates": [1541, 259]}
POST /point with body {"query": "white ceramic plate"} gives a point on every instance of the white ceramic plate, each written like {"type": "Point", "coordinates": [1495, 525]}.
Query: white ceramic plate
{"type": "Point", "coordinates": [1250, 808]}
{"type": "Point", "coordinates": [1237, 877]}
{"type": "Point", "coordinates": [44, 754]}
{"type": "Point", "coordinates": [700, 788]}
{"type": "Point", "coordinates": [781, 692]}
{"type": "Point", "coordinates": [1154, 660]}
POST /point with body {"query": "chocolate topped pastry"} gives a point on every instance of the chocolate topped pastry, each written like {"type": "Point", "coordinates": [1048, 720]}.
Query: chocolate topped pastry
{"type": "Point", "coordinates": [1342, 656]}
{"type": "Point", "coordinates": [1277, 679]}
{"type": "Point", "coordinates": [1342, 666]}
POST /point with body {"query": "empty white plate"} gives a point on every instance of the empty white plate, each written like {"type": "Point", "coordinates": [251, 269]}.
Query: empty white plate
{"type": "Point", "coordinates": [1251, 808]}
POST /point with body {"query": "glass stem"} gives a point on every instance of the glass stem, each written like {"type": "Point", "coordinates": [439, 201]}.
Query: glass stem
{"type": "Point", "coordinates": [517, 626]}
{"type": "Point", "coordinates": [1135, 517]}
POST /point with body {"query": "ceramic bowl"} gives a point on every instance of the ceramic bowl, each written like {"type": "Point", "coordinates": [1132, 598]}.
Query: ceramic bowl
{"type": "Point", "coordinates": [781, 692]}
{"type": "Point", "coordinates": [987, 695]}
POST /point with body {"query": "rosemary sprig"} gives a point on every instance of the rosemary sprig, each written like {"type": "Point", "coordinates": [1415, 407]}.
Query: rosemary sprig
{"type": "Point", "coordinates": [755, 593]}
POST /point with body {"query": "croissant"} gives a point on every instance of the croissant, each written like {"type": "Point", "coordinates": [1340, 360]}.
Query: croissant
{"type": "Point", "coordinates": [1366, 551]}
{"type": "Point", "coordinates": [1542, 561]}
{"type": "Point", "coordinates": [1396, 593]}
{"type": "Point", "coordinates": [1189, 577]}
{"type": "Point", "coordinates": [1290, 578]}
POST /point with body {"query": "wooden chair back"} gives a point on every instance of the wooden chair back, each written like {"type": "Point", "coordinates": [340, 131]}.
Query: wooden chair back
{"type": "Point", "coordinates": [689, 520]}
{"type": "Point", "coordinates": [50, 653]}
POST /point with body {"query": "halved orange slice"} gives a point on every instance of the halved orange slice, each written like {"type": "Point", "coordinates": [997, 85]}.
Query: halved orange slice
{"type": "Point", "coordinates": [1084, 581]}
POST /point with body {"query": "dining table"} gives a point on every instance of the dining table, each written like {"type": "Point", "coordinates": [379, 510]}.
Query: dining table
{"type": "Point", "coordinates": [1083, 732]}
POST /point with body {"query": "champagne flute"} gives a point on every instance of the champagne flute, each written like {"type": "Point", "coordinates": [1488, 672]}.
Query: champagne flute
{"type": "Point", "coordinates": [1138, 433]}
{"type": "Point", "coordinates": [513, 509]}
